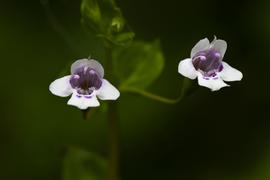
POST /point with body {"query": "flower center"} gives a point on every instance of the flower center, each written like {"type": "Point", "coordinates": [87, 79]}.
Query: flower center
{"type": "Point", "coordinates": [85, 80]}
{"type": "Point", "coordinates": [208, 62]}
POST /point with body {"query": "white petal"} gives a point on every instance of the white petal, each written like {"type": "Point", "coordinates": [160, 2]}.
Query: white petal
{"type": "Point", "coordinates": [88, 63]}
{"type": "Point", "coordinates": [200, 46]}
{"type": "Point", "coordinates": [107, 91]}
{"type": "Point", "coordinates": [187, 69]}
{"type": "Point", "coordinates": [82, 102]}
{"type": "Point", "coordinates": [220, 45]}
{"type": "Point", "coordinates": [229, 73]}
{"type": "Point", "coordinates": [213, 84]}
{"type": "Point", "coordinates": [61, 87]}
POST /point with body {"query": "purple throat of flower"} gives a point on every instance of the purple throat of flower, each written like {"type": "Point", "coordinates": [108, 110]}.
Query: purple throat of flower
{"type": "Point", "coordinates": [208, 62]}
{"type": "Point", "coordinates": [85, 80]}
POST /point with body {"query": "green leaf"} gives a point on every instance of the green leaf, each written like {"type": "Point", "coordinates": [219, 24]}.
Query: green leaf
{"type": "Point", "coordinates": [91, 13]}
{"type": "Point", "coordinates": [121, 39]}
{"type": "Point", "coordinates": [82, 165]}
{"type": "Point", "coordinates": [138, 64]}
{"type": "Point", "coordinates": [106, 20]}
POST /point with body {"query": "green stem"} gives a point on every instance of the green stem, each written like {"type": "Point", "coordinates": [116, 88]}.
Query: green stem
{"type": "Point", "coordinates": [114, 141]}
{"type": "Point", "coordinates": [89, 113]}
{"type": "Point", "coordinates": [113, 121]}
{"type": "Point", "coordinates": [157, 97]}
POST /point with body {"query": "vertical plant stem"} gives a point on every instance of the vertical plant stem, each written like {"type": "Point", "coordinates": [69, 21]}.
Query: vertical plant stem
{"type": "Point", "coordinates": [114, 141]}
{"type": "Point", "coordinates": [113, 121]}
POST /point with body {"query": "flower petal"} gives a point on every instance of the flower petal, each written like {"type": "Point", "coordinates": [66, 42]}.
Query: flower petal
{"type": "Point", "coordinates": [203, 44]}
{"type": "Point", "coordinates": [61, 87]}
{"type": "Point", "coordinates": [213, 84]}
{"type": "Point", "coordinates": [83, 102]}
{"type": "Point", "coordinates": [107, 91]}
{"type": "Point", "coordinates": [229, 73]}
{"type": "Point", "coordinates": [88, 63]}
{"type": "Point", "coordinates": [219, 45]}
{"type": "Point", "coordinates": [187, 69]}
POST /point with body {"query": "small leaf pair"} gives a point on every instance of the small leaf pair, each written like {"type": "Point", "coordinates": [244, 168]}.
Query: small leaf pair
{"type": "Point", "coordinates": [106, 20]}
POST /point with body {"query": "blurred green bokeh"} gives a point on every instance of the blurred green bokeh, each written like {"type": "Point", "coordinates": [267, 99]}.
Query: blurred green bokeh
{"type": "Point", "coordinates": [213, 136]}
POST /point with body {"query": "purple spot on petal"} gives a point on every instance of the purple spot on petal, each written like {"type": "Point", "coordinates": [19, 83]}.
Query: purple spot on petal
{"type": "Point", "coordinates": [92, 71]}
{"type": "Point", "coordinates": [213, 74]}
{"type": "Point", "coordinates": [217, 54]}
{"type": "Point", "coordinates": [78, 96]}
{"type": "Point", "coordinates": [202, 58]}
{"type": "Point", "coordinates": [88, 97]}
{"type": "Point", "coordinates": [220, 68]}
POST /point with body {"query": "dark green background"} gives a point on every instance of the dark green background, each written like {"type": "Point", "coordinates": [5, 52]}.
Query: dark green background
{"type": "Point", "coordinates": [209, 135]}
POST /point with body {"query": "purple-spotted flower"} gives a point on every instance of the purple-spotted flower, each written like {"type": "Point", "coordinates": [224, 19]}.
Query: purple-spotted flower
{"type": "Point", "coordinates": [206, 64]}
{"type": "Point", "coordinates": [85, 83]}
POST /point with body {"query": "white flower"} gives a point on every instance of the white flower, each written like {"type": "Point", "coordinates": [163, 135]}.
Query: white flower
{"type": "Point", "coordinates": [206, 64]}
{"type": "Point", "coordinates": [85, 83]}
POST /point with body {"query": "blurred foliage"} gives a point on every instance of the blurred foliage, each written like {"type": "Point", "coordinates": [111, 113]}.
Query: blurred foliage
{"type": "Point", "coordinates": [82, 165]}
{"type": "Point", "coordinates": [105, 19]}
{"type": "Point", "coordinates": [138, 64]}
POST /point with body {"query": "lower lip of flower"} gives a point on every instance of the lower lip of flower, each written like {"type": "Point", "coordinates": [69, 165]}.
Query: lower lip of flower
{"type": "Point", "coordinates": [85, 80]}
{"type": "Point", "coordinates": [208, 62]}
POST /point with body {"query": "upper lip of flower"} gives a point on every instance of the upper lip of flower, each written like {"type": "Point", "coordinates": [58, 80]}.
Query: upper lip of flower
{"type": "Point", "coordinates": [85, 83]}
{"type": "Point", "coordinates": [206, 64]}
